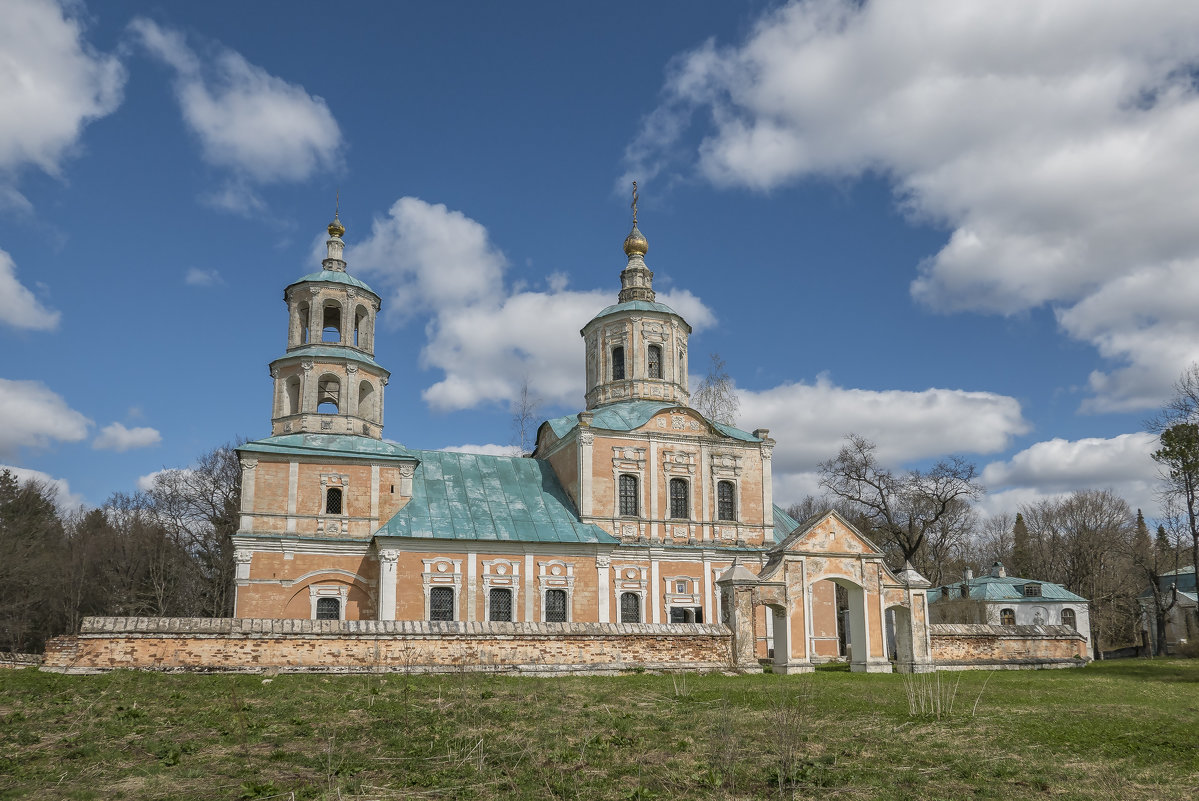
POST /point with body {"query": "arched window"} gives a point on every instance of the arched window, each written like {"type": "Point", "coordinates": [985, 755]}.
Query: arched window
{"type": "Point", "coordinates": [726, 509]}
{"type": "Point", "coordinates": [630, 607]}
{"type": "Point", "coordinates": [617, 364]}
{"type": "Point", "coordinates": [303, 318]}
{"type": "Point", "coordinates": [555, 606]}
{"type": "Point", "coordinates": [628, 494]}
{"type": "Point", "coordinates": [654, 362]}
{"type": "Point", "coordinates": [328, 609]}
{"type": "Point", "coordinates": [333, 501]}
{"type": "Point", "coordinates": [500, 604]}
{"type": "Point", "coordinates": [680, 508]}
{"type": "Point", "coordinates": [1068, 619]}
{"type": "Point", "coordinates": [328, 395]}
{"type": "Point", "coordinates": [291, 394]}
{"type": "Point", "coordinates": [362, 331]}
{"type": "Point", "coordinates": [368, 402]}
{"type": "Point", "coordinates": [1007, 617]}
{"type": "Point", "coordinates": [441, 603]}
{"type": "Point", "coordinates": [331, 322]}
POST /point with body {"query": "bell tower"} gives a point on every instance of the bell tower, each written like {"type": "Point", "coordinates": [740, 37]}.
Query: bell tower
{"type": "Point", "coordinates": [636, 349]}
{"type": "Point", "coordinates": [328, 382]}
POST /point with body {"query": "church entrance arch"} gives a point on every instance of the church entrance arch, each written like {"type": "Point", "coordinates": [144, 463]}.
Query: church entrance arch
{"type": "Point", "coordinates": [825, 579]}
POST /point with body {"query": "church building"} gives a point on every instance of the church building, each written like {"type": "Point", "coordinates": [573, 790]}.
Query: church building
{"type": "Point", "coordinates": [626, 512]}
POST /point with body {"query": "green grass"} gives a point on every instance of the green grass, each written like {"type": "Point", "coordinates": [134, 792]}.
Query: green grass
{"type": "Point", "coordinates": [1119, 730]}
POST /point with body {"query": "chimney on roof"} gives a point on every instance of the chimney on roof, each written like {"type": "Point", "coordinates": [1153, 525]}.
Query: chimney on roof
{"type": "Point", "coordinates": [969, 574]}
{"type": "Point", "coordinates": [997, 570]}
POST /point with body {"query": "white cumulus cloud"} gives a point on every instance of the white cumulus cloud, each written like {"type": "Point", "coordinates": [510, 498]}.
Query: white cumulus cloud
{"type": "Point", "coordinates": [1059, 466]}
{"type": "Point", "coordinates": [485, 336]}
{"type": "Point", "coordinates": [116, 437]}
{"type": "Point", "coordinates": [33, 416]}
{"type": "Point", "coordinates": [198, 277]}
{"type": "Point", "coordinates": [64, 499]}
{"type": "Point", "coordinates": [52, 84]}
{"type": "Point", "coordinates": [18, 306]}
{"type": "Point", "coordinates": [257, 125]}
{"type": "Point", "coordinates": [1054, 140]}
{"type": "Point", "coordinates": [489, 449]}
{"type": "Point", "coordinates": [810, 421]}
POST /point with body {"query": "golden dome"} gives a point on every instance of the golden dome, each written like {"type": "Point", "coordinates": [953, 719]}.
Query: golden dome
{"type": "Point", "coordinates": [336, 228]}
{"type": "Point", "coordinates": [635, 243]}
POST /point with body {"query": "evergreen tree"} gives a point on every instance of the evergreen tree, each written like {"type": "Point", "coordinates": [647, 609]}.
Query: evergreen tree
{"type": "Point", "coordinates": [1162, 542]}
{"type": "Point", "coordinates": [1141, 546]}
{"type": "Point", "coordinates": [1021, 558]}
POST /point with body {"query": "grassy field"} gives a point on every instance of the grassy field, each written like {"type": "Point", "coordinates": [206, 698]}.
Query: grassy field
{"type": "Point", "coordinates": [1119, 730]}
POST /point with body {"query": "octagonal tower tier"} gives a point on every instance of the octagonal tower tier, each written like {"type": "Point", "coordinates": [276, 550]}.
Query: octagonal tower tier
{"type": "Point", "coordinates": [329, 382]}
{"type": "Point", "coordinates": [636, 349]}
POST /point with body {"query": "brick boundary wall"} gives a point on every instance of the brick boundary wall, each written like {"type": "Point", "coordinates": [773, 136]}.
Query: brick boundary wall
{"type": "Point", "coordinates": [982, 646]}
{"type": "Point", "coordinates": [244, 645]}
{"type": "Point", "coordinates": [11, 660]}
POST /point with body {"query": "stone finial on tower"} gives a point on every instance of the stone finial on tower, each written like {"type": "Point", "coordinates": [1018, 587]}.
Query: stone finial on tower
{"type": "Point", "coordinates": [636, 280]}
{"type": "Point", "coordinates": [334, 245]}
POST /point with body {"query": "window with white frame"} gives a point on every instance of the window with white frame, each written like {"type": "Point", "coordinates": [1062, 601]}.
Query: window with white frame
{"type": "Point", "coordinates": [726, 506]}
{"type": "Point", "coordinates": [499, 602]}
{"type": "Point", "coordinates": [441, 603]}
{"type": "Point", "coordinates": [630, 607]}
{"type": "Point", "coordinates": [680, 507]}
{"type": "Point", "coordinates": [628, 495]}
{"type": "Point", "coordinates": [555, 606]}
{"type": "Point", "coordinates": [328, 609]}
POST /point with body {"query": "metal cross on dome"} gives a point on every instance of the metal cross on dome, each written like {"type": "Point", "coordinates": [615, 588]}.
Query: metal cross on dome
{"type": "Point", "coordinates": [634, 203]}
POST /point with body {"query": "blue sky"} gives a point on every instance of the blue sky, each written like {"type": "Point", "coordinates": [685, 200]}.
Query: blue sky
{"type": "Point", "coordinates": [952, 232]}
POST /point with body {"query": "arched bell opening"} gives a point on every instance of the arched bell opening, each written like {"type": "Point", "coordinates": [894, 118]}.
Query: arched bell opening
{"type": "Point", "coordinates": [328, 394]}
{"type": "Point", "coordinates": [368, 401]}
{"type": "Point", "coordinates": [363, 328]}
{"type": "Point", "coordinates": [331, 322]}
{"type": "Point", "coordinates": [300, 321]}
{"type": "Point", "coordinates": [291, 396]}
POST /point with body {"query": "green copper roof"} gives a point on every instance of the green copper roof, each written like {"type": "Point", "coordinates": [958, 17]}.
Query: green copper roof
{"type": "Point", "coordinates": [331, 351]}
{"type": "Point", "coordinates": [334, 277]}
{"type": "Point", "coordinates": [628, 415]}
{"type": "Point", "coordinates": [466, 496]}
{"type": "Point", "coordinates": [1183, 577]}
{"type": "Point", "coordinates": [784, 524]}
{"type": "Point", "coordinates": [1009, 589]}
{"type": "Point", "coordinates": [341, 445]}
{"type": "Point", "coordinates": [640, 305]}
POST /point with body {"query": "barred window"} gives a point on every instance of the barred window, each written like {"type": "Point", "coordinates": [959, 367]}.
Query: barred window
{"type": "Point", "coordinates": [725, 507]}
{"type": "Point", "coordinates": [679, 506]}
{"type": "Point", "coordinates": [328, 609]}
{"type": "Point", "coordinates": [1007, 617]}
{"type": "Point", "coordinates": [501, 605]}
{"type": "Point", "coordinates": [1032, 590]}
{"type": "Point", "coordinates": [1068, 619]}
{"type": "Point", "coordinates": [441, 603]}
{"type": "Point", "coordinates": [555, 606]}
{"type": "Point", "coordinates": [655, 362]}
{"type": "Point", "coordinates": [333, 501]}
{"type": "Point", "coordinates": [617, 364]}
{"type": "Point", "coordinates": [628, 494]}
{"type": "Point", "coordinates": [630, 607]}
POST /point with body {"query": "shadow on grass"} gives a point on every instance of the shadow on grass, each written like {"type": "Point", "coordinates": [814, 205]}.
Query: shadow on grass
{"type": "Point", "coordinates": [1159, 669]}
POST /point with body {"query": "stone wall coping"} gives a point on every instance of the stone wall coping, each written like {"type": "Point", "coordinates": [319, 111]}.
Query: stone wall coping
{"type": "Point", "coordinates": [1026, 632]}
{"type": "Point", "coordinates": [194, 626]}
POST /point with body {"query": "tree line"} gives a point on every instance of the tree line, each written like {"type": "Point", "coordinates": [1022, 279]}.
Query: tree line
{"type": "Point", "coordinates": [166, 551]}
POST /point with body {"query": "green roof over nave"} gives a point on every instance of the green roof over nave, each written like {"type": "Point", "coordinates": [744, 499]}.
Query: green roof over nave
{"type": "Point", "coordinates": [467, 496]}
{"type": "Point", "coordinates": [346, 446]}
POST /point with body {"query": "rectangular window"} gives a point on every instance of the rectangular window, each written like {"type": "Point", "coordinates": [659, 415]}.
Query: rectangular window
{"type": "Point", "coordinates": [628, 495]}
{"type": "Point", "coordinates": [1032, 590]}
{"type": "Point", "coordinates": [617, 364]}
{"type": "Point", "coordinates": [725, 507]}
{"type": "Point", "coordinates": [680, 587]}
{"type": "Point", "coordinates": [630, 607]}
{"type": "Point", "coordinates": [501, 605]}
{"type": "Point", "coordinates": [680, 508]}
{"type": "Point", "coordinates": [555, 606]}
{"type": "Point", "coordinates": [333, 501]}
{"type": "Point", "coordinates": [328, 609]}
{"type": "Point", "coordinates": [441, 603]}
{"type": "Point", "coordinates": [654, 361]}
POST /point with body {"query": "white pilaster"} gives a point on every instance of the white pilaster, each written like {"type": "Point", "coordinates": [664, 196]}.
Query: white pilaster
{"type": "Point", "coordinates": [293, 483]}
{"type": "Point", "coordinates": [472, 573]}
{"type": "Point", "coordinates": [387, 583]}
{"type": "Point", "coordinates": [655, 592]}
{"type": "Point", "coordinates": [603, 590]}
{"type": "Point", "coordinates": [528, 582]}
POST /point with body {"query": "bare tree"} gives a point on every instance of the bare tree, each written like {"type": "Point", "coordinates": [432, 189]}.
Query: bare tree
{"type": "Point", "coordinates": [716, 397]}
{"type": "Point", "coordinates": [902, 507]}
{"type": "Point", "coordinates": [526, 411]}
